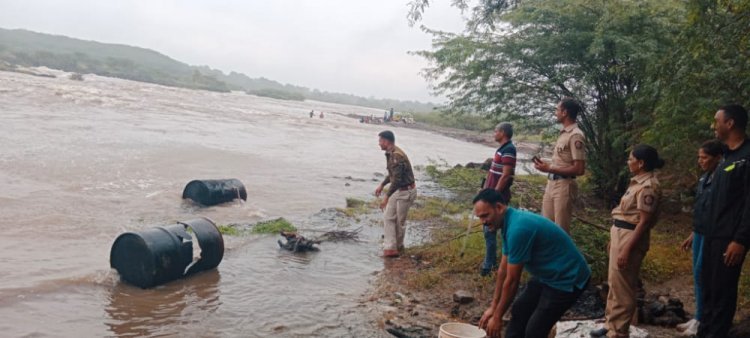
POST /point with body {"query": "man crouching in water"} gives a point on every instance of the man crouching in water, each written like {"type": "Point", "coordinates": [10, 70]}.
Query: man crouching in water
{"type": "Point", "coordinates": [559, 273]}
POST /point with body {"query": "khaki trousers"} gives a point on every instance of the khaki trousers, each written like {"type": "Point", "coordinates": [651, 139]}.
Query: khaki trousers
{"type": "Point", "coordinates": [623, 283]}
{"type": "Point", "coordinates": [394, 218]}
{"type": "Point", "coordinates": [557, 204]}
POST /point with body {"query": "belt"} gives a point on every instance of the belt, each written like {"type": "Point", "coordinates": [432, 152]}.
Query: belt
{"type": "Point", "coordinates": [555, 177]}
{"type": "Point", "coordinates": [408, 187]}
{"type": "Point", "coordinates": [624, 225]}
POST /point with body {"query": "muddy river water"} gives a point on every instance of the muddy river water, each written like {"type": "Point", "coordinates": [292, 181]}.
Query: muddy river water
{"type": "Point", "coordinates": [82, 162]}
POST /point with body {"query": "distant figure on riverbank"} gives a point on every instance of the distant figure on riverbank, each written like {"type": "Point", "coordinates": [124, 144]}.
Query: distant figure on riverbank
{"type": "Point", "coordinates": [500, 178]}
{"type": "Point", "coordinates": [559, 273]}
{"type": "Point", "coordinates": [400, 196]}
{"type": "Point", "coordinates": [312, 113]}
{"type": "Point", "coordinates": [568, 161]}
{"type": "Point", "coordinates": [727, 239]}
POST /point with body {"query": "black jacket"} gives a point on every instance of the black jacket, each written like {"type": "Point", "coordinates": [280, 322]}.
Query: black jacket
{"type": "Point", "coordinates": [702, 205]}
{"type": "Point", "coordinates": [730, 211]}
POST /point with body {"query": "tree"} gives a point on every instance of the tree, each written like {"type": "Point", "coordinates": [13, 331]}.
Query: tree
{"type": "Point", "coordinates": [519, 58]}
{"type": "Point", "coordinates": [709, 67]}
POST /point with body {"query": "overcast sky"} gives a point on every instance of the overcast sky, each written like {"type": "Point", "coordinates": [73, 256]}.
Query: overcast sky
{"type": "Point", "coordinates": [349, 46]}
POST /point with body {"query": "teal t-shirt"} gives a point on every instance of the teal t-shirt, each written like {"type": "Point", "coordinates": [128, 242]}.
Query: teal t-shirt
{"type": "Point", "coordinates": [545, 250]}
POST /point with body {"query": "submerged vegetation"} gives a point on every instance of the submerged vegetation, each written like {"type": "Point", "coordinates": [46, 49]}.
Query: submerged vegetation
{"type": "Point", "coordinates": [230, 230]}
{"type": "Point", "coordinates": [273, 226]}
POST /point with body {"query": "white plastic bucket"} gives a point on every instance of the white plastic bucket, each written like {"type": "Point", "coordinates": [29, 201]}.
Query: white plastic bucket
{"type": "Point", "coordinates": [460, 330]}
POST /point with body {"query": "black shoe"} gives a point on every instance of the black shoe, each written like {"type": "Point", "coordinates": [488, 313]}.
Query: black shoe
{"type": "Point", "coordinates": [484, 272]}
{"type": "Point", "coordinates": [598, 333]}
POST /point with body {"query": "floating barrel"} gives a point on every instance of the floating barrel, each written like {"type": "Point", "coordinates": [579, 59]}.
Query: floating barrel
{"type": "Point", "coordinates": [212, 192]}
{"type": "Point", "coordinates": [155, 256]}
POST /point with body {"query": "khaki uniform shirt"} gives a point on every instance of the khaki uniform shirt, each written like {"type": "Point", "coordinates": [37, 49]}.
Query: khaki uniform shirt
{"type": "Point", "coordinates": [642, 195]}
{"type": "Point", "coordinates": [570, 146]}
{"type": "Point", "coordinates": [400, 174]}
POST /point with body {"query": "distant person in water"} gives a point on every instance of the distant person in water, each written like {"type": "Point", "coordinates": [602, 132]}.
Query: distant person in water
{"type": "Point", "coordinates": [312, 113]}
{"type": "Point", "coordinates": [321, 114]}
{"type": "Point", "coordinates": [400, 196]}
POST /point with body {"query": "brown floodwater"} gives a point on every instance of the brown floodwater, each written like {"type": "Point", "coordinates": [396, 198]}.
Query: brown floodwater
{"type": "Point", "coordinates": [82, 162]}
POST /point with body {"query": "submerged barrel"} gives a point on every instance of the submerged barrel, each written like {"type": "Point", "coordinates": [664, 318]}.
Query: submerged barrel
{"type": "Point", "coordinates": [212, 192]}
{"type": "Point", "coordinates": [155, 256]}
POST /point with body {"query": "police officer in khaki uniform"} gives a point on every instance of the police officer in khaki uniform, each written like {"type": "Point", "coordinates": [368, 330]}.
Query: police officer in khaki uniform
{"type": "Point", "coordinates": [568, 161]}
{"type": "Point", "coordinates": [400, 196]}
{"type": "Point", "coordinates": [629, 240]}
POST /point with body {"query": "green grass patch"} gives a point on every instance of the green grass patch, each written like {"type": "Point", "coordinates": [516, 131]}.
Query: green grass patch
{"type": "Point", "coordinates": [354, 203]}
{"type": "Point", "coordinates": [356, 207]}
{"type": "Point", "coordinates": [424, 280]}
{"type": "Point", "coordinates": [527, 192]}
{"type": "Point", "coordinates": [743, 291]}
{"type": "Point", "coordinates": [273, 226]}
{"type": "Point", "coordinates": [665, 259]}
{"type": "Point", "coordinates": [229, 230]}
{"type": "Point", "coordinates": [450, 240]}
{"type": "Point", "coordinates": [592, 242]}
{"type": "Point", "coordinates": [427, 208]}
{"type": "Point", "coordinates": [464, 182]}
{"type": "Point", "coordinates": [446, 258]}
{"type": "Point", "coordinates": [540, 181]}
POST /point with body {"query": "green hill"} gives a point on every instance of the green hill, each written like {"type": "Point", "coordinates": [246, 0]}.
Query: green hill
{"type": "Point", "coordinates": [31, 49]}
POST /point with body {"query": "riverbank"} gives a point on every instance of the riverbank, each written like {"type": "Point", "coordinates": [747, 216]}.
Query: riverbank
{"type": "Point", "coordinates": [524, 145]}
{"type": "Point", "coordinates": [438, 281]}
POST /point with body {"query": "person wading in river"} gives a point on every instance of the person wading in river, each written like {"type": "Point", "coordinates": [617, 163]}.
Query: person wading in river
{"type": "Point", "coordinates": [400, 196]}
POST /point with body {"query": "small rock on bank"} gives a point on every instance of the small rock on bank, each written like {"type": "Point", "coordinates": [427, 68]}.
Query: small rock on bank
{"type": "Point", "coordinates": [463, 297]}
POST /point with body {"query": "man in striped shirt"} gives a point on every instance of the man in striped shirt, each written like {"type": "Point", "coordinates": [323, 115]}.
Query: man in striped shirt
{"type": "Point", "coordinates": [500, 178]}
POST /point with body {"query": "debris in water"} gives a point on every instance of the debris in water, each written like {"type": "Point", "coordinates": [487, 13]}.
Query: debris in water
{"type": "Point", "coordinates": [298, 243]}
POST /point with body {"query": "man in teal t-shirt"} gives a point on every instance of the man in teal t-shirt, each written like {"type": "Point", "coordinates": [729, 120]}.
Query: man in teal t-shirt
{"type": "Point", "coordinates": [559, 273]}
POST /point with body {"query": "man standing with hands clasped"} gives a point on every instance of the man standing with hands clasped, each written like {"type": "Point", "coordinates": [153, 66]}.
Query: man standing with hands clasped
{"type": "Point", "coordinates": [559, 273]}
{"type": "Point", "coordinates": [400, 196]}
{"type": "Point", "coordinates": [568, 161]}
